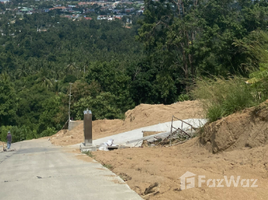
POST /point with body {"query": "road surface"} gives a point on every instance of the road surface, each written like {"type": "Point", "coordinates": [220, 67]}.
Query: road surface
{"type": "Point", "coordinates": [37, 170]}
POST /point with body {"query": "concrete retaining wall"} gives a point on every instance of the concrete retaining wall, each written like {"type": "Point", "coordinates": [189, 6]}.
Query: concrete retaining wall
{"type": "Point", "coordinates": [125, 138]}
{"type": "Point", "coordinates": [73, 124]}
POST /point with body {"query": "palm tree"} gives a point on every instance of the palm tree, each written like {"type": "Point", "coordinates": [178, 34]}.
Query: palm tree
{"type": "Point", "coordinates": [44, 79]}
{"type": "Point", "coordinates": [71, 68]}
{"type": "Point", "coordinates": [22, 71]}
{"type": "Point", "coordinates": [4, 77]}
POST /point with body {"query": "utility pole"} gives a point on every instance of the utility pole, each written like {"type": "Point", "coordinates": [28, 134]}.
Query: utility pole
{"type": "Point", "coordinates": [70, 105]}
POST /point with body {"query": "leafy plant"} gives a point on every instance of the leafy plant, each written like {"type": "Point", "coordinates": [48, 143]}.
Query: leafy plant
{"type": "Point", "coordinates": [184, 97]}
{"type": "Point", "coordinates": [48, 132]}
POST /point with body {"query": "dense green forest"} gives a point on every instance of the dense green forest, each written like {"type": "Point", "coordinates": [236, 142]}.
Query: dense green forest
{"type": "Point", "coordinates": [112, 68]}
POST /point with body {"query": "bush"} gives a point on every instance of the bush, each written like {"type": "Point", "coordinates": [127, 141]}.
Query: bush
{"type": "Point", "coordinates": [18, 133]}
{"type": "Point", "coordinates": [48, 132]}
{"type": "Point", "coordinates": [222, 97]}
{"type": "Point", "coordinates": [184, 97]}
{"type": "Point", "coordinates": [3, 132]}
{"type": "Point", "coordinates": [102, 107]}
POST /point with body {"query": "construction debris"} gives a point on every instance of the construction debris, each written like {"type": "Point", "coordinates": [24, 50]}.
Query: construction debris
{"type": "Point", "coordinates": [177, 135]}
{"type": "Point", "coordinates": [150, 189]}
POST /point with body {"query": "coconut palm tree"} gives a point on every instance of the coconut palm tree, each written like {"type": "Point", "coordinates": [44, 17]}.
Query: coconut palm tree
{"type": "Point", "coordinates": [43, 80]}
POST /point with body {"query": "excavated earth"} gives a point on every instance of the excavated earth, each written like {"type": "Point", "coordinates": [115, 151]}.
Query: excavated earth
{"type": "Point", "coordinates": [233, 146]}
{"type": "Point", "coordinates": [141, 116]}
{"type": "Point", "coordinates": [245, 129]}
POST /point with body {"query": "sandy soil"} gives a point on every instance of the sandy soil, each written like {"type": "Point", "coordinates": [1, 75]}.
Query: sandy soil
{"type": "Point", "coordinates": [248, 128]}
{"type": "Point", "coordinates": [142, 167]}
{"type": "Point", "coordinates": [141, 116]}
{"type": "Point", "coordinates": [233, 146]}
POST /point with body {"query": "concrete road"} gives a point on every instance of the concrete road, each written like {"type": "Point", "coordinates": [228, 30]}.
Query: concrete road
{"type": "Point", "coordinates": [39, 171]}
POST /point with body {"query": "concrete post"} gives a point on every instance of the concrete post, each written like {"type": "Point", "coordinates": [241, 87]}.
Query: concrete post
{"type": "Point", "coordinates": [88, 127]}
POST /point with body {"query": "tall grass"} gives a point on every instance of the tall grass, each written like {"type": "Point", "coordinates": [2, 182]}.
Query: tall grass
{"type": "Point", "coordinates": [222, 97]}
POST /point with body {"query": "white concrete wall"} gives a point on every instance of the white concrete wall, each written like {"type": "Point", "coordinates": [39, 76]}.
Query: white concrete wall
{"type": "Point", "coordinates": [73, 124]}
{"type": "Point", "coordinates": [123, 138]}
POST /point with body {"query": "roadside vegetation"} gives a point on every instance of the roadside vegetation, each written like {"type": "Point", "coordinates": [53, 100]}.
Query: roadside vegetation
{"type": "Point", "coordinates": [112, 68]}
{"type": "Point", "coordinates": [224, 96]}
{"type": "Point", "coordinates": [108, 166]}
{"type": "Point", "coordinates": [89, 153]}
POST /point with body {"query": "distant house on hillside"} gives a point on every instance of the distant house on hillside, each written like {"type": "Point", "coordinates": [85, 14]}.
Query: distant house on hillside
{"type": "Point", "coordinates": [128, 10]}
{"type": "Point", "coordinates": [85, 3]}
{"type": "Point", "coordinates": [41, 30]}
{"type": "Point", "coordinates": [26, 10]}
{"type": "Point", "coordinates": [58, 8]}
{"type": "Point", "coordinates": [118, 17]}
{"type": "Point", "coordinates": [101, 17]}
{"type": "Point", "coordinates": [140, 12]}
{"type": "Point", "coordinates": [87, 18]}
{"type": "Point", "coordinates": [75, 12]}
{"type": "Point", "coordinates": [67, 16]}
{"type": "Point", "coordinates": [71, 6]}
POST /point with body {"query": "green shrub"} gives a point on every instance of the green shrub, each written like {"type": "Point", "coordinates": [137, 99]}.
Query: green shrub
{"type": "Point", "coordinates": [222, 97]}
{"type": "Point", "coordinates": [48, 132]}
{"type": "Point", "coordinates": [18, 133]}
{"type": "Point", "coordinates": [214, 112]}
{"type": "Point", "coordinates": [184, 97]}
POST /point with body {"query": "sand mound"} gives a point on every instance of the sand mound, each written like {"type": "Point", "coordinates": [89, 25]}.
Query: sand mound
{"type": "Point", "coordinates": [142, 167]}
{"type": "Point", "coordinates": [245, 129]}
{"type": "Point", "coordinates": [148, 115]}
{"type": "Point", "coordinates": [141, 116]}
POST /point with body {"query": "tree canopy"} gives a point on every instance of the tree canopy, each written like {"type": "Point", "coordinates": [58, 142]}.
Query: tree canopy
{"type": "Point", "coordinates": [113, 67]}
